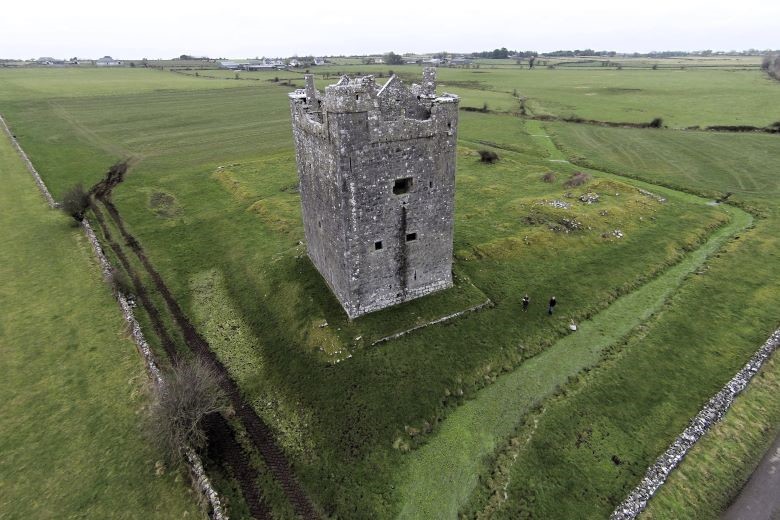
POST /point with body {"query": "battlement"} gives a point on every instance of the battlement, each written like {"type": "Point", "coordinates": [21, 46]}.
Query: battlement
{"type": "Point", "coordinates": [392, 101]}
{"type": "Point", "coordinates": [376, 166]}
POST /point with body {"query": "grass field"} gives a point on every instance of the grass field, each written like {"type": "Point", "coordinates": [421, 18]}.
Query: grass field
{"type": "Point", "coordinates": [211, 197]}
{"type": "Point", "coordinates": [710, 327]}
{"type": "Point", "coordinates": [73, 385]}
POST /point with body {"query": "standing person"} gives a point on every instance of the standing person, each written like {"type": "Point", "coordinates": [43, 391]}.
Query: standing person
{"type": "Point", "coordinates": [526, 301]}
{"type": "Point", "coordinates": [552, 305]}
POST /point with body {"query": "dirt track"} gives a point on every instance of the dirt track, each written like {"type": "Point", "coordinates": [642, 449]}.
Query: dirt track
{"type": "Point", "coordinates": [224, 447]}
{"type": "Point", "coordinates": [259, 432]}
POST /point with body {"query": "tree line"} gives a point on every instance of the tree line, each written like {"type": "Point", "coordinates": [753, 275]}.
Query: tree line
{"type": "Point", "coordinates": [771, 65]}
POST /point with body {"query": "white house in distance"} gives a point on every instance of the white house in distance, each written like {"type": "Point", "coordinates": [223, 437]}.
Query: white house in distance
{"type": "Point", "coordinates": [107, 61]}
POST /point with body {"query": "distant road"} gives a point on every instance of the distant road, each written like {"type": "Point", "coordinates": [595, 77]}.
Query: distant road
{"type": "Point", "coordinates": [760, 498]}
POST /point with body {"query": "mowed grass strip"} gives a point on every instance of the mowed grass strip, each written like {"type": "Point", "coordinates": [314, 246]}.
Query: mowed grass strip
{"type": "Point", "coordinates": [72, 391]}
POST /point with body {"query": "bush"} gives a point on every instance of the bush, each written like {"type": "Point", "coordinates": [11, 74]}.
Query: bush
{"type": "Point", "coordinates": [75, 202]}
{"type": "Point", "coordinates": [191, 392]}
{"type": "Point", "coordinates": [577, 179]}
{"type": "Point", "coordinates": [549, 177]}
{"type": "Point", "coordinates": [487, 156]}
{"type": "Point", "coordinates": [120, 282]}
{"type": "Point", "coordinates": [656, 123]}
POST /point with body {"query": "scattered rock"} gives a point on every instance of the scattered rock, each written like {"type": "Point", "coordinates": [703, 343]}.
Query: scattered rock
{"type": "Point", "coordinates": [652, 195]}
{"type": "Point", "coordinates": [323, 324]}
{"type": "Point", "coordinates": [559, 204]}
{"type": "Point", "coordinates": [589, 197]}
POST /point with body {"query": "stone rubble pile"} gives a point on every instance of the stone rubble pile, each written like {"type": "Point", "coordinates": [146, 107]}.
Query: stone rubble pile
{"type": "Point", "coordinates": [712, 412]}
{"type": "Point", "coordinates": [589, 198]}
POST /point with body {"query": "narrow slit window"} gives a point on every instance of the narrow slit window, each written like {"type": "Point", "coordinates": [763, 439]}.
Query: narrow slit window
{"type": "Point", "coordinates": [377, 245]}
{"type": "Point", "coordinates": [411, 237]}
{"type": "Point", "coordinates": [402, 186]}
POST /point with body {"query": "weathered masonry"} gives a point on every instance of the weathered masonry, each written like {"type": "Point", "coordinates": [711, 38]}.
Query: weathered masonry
{"type": "Point", "coordinates": [377, 180]}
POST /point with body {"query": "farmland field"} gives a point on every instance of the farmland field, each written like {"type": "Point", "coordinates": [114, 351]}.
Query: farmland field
{"type": "Point", "coordinates": [73, 385]}
{"type": "Point", "coordinates": [211, 196]}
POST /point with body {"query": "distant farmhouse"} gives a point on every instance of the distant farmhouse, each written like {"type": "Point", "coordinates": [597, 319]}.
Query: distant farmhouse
{"type": "Point", "coordinates": [107, 61]}
{"type": "Point", "coordinates": [252, 65]}
{"type": "Point", "coordinates": [53, 62]}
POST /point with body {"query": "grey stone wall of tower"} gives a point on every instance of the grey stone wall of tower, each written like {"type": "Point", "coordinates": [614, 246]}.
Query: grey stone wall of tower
{"type": "Point", "coordinates": [376, 166]}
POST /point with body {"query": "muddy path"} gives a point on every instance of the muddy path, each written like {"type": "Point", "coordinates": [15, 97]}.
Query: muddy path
{"type": "Point", "coordinates": [259, 432]}
{"type": "Point", "coordinates": [140, 291]}
{"type": "Point", "coordinates": [224, 447]}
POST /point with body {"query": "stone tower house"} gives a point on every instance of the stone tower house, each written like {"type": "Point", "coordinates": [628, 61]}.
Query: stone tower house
{"type": "Point", "coordinates": [376, 166]}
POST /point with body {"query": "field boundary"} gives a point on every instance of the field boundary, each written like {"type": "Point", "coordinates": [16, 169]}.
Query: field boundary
{"type": "Point", "coordinates": [200, 479]}
{"type": "Point", "coordinates": [475, 308]}
{"type": "Point", "coordinates": [708, 416]}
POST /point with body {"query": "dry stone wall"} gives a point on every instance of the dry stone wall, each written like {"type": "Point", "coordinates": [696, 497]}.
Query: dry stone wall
{"type": "Point", "coordinates": [712, 412]}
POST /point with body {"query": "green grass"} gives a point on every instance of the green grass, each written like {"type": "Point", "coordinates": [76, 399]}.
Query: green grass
{"type": "Point", "coordinates": [630, 409]}
{"type": "Point", "coordinates": [72, 390]}
{"type": "Point", "coordinates": [713, 471]}
{"type": "Point", "coordinates": [211, 198]}
{"type": "Point", "coordinates": [441, 475]}
{"type": "Point", "coordinates": [683, 97]}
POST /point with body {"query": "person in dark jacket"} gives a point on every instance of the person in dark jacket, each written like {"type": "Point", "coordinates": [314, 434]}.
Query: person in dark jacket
{"type": "Point", "coordinates": [526, 302]}
{"type": "Point", "coordinates": [552, 305]}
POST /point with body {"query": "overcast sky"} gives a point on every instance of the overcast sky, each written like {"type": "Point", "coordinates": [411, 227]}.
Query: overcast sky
{"type": "Point", "coordinates": [241, 29]}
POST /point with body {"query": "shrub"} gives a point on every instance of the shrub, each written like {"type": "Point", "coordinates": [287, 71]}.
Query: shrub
{"type": "Point", "coordinates": [75, 202]}
{"type": "Point", "coordinates": [120, 282]}
{"type": "Point", "coordinates": [549, 177]}
{"type": "Point", "coordinates": [191, 392]}
{"type": "Point", "coordinates": [576, 179]}
{"type": "Point", "coordinates": [487, 156]}
{"type": "Point", "coordinates": [656, 123]}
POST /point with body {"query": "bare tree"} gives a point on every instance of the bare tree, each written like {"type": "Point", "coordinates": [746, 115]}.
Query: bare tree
{"type": "Point", "coordinates": [190, 393]}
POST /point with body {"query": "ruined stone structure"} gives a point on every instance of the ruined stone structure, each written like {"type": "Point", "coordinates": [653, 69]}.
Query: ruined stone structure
{"type": "Point", "coordinates": [377, 180]}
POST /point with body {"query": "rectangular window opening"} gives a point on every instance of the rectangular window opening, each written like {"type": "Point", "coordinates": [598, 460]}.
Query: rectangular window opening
{"type": "Point", "coordinates": [402, 186]}
{"type": "Point", "coordinates": [411, 237]}
{"type": "Point", "coordinates": [377, 245]}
